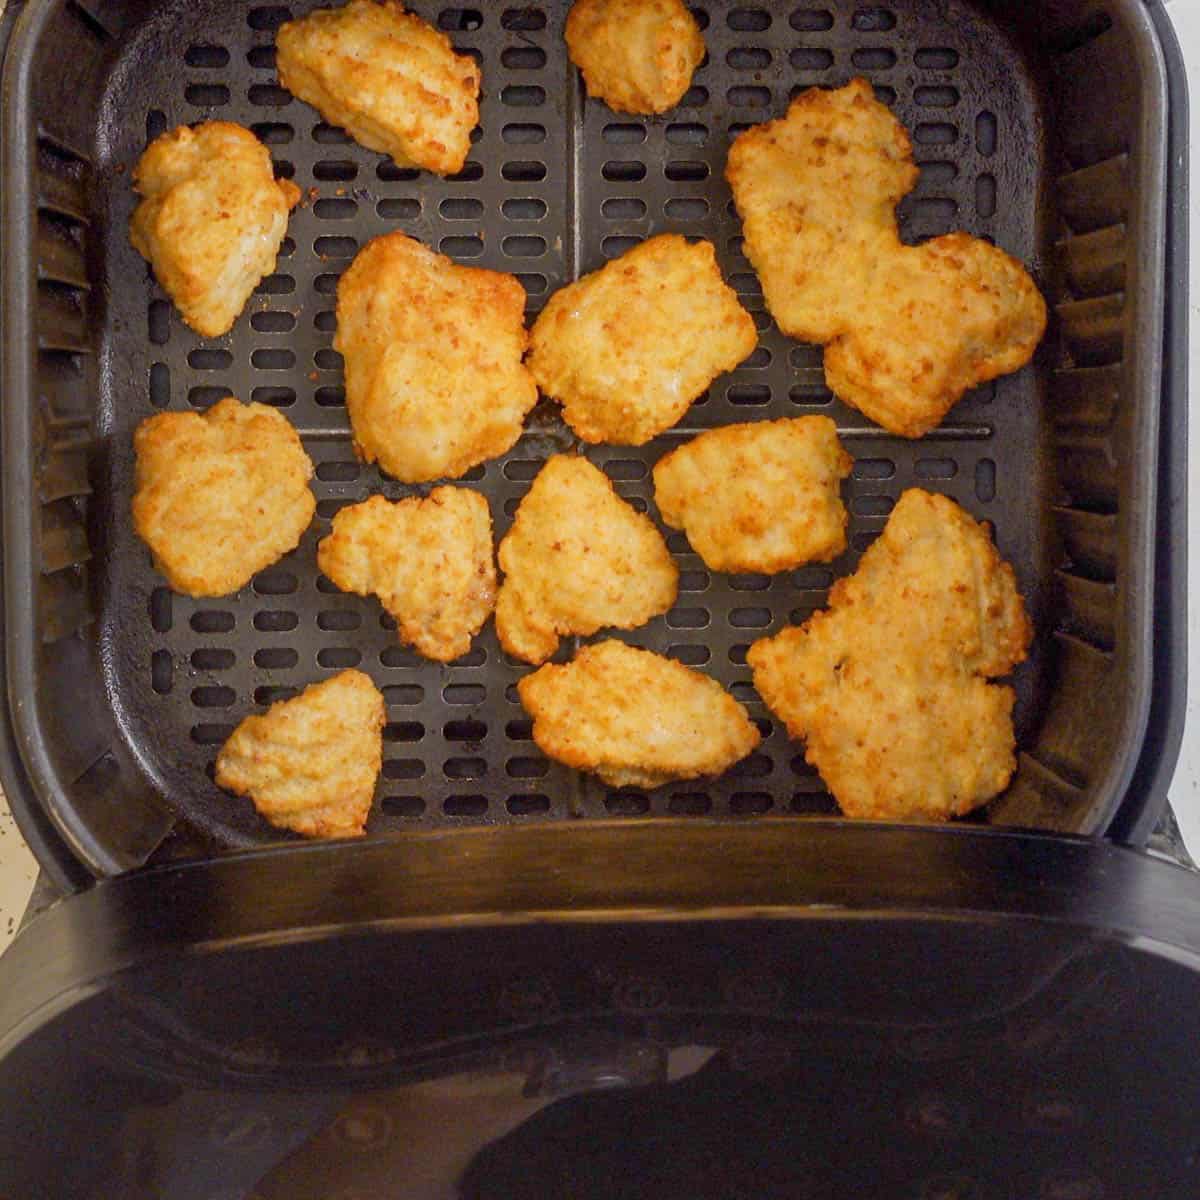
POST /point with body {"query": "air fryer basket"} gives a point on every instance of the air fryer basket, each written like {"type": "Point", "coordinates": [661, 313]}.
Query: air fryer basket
{"type": "Point", "coordinates": [1040, 126]}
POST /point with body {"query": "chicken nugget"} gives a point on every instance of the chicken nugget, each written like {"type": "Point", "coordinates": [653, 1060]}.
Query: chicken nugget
{"type": "Point", "coordinates": [636, 55]}
{"type": "Point", "coordinates": [635, 718]}
{"type": "Point", "coordinates": [908, 329]}
{"type": "Point", "coordinates": [211, 219]}
{"type": "Point", "coordinates": [393, 82]}
{"type": "Point", "coordinates": [428, 560]}
{"type": "Point", "coordinates": [434, 379]}
{"type": "Point", "coordinates": [958, 313]}
{"type": "Point", "coordinates": [578, 558]}
{"type": "Point", "coordinates": [817, 192]}
{"type": "Point", "coordinates": [220, 496]}
{"type": "Point", "coordinates": [758, 497]}
{"type": "Point", "coordinates": [627, 349]}
{"type": "Point", "coordinates": [310, 764]}
{"type": "Point", "coordinates": [889, 685]}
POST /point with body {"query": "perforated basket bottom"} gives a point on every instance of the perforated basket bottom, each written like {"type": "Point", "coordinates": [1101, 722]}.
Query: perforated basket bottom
{"type": "Point", "coordinates": [554, 186]}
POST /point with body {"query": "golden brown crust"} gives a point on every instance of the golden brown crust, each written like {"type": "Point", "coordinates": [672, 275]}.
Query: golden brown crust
{"type": "Point", "coordinates": [310, 764]}
{"type": "Point", "coordinates": [635, 718]}
{"type": "Point", "coordinates": [393, 82]}
{"type": "Point", "coordinates": [429, 560]}
{"type": "Point", "coordinates": [763, 496]}
{"type": "Point", "coordinates": [219, 497]}
{"type": "Point", "coordinates": [211, 219]}
{"type": "Point", "coordinates": [578, 558]}
{"type": "Point", "coordinates": [816, 191]}
{"type": "Point", "coordinates": [888, 686]}
{"type": "Point", "coordinates": [960, 312]}
{"type": "Point", "coordinates": [908, 329]}
{"type": "Point", "coordinates": [637, 56]}
{"type": "Point", "coordinates": [627, 349]}
{"type": "Point", "coordinates": [434, 379]}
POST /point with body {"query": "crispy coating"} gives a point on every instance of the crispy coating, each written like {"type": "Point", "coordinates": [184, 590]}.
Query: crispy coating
{"type": "Point", "coordinates": [211, 219]}
{"type": "Point", "coordinates": [434, 379]}
{"type": "Point", "coordinates": [909, 329]}
{"type": "Point", "coordinates": [888, 686]}
{"type": "Point", "coordinates": [635, 718]}
{"type": "Point", "coordinates": [393, 82]}
{"type": "Point", "coordinates": [578, 558]}
{"type": "Point", "coordinates": [758, 497]}
{"type": "Point", "coordinates": [220, 496]}
{"type": "Point", "coordinates": [636, 55]}
{"type": "Point", "coordinates": [960, 313]}
{"type": "Point", "coordinates": [428, 560]}
{"type": "Point", "coordinates": [310, 763]}
{"type": "Point", "coordinates": [628, 348]}
{"type": "Point", "coordinates": [817, 192]}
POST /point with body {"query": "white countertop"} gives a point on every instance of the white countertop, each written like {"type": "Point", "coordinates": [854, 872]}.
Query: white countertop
{"type": "Point", "coordinates": [18, 869]}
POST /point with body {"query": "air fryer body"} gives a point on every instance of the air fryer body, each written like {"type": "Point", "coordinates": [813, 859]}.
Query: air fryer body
{"type": "Point", "coordinates": [652, 1008]}
{"type": "Point", "coordinates": [1024, 1024]}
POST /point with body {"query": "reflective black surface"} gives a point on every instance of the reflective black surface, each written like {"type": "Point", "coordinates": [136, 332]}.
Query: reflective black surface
{"type": "Point", "coordinates": [1021, 1021]}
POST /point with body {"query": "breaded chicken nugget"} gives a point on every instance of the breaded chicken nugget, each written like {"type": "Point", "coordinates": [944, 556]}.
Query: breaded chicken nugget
{"type": "Point", "coordinates": [957, 313]}
{"type": "Point", "coordinates": [635, 718]}
{"type": "Point", "coordinates": [817, 192]}
{"type": "Point", "coordinates": [211, 219]}
{"type": "Point", "coordinates": [390, 80]}
{"type": "Point", "coordinates": [889, 685]}
{"type": "Point", "coordinates": [434, 380]}
{"type": "Point", "coordinates": [758, 497]}
{"type": "Point", "coordinates": [220, 496]}
{"type": "Point", "coordinates": [576, 559]}
{"type": "Point", "coordinates": [636, 55]}
{"type": "Point", "coordinates": [428, 560]}
{"type": "Point", "coordinates": [909, 329]}
{"type": "Point", "coordinates": [310, 763]}
{"type": "Point", "coordinates": [628, 348]}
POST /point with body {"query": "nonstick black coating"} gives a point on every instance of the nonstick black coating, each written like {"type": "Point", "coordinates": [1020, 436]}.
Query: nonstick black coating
{"type": "Point", "coordinates": [555, 184]}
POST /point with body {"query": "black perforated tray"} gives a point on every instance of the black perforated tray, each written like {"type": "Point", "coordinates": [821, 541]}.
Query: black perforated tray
{"type": "Point", "coordinates": [122, 691]}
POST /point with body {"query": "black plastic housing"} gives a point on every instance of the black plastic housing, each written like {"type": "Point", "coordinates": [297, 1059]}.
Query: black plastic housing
{"type": "Point", "coordinates": [800, 1010]}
